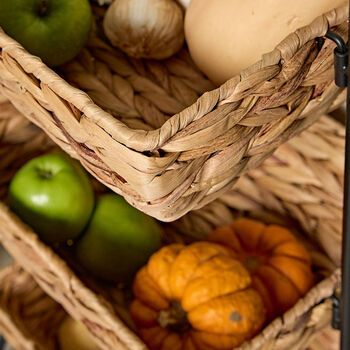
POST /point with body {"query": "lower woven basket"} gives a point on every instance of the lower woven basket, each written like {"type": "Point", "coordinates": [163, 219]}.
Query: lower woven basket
{"type": "Point", "coordinates": [300, 186]}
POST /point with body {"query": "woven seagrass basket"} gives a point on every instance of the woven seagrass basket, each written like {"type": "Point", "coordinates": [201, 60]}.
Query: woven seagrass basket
{"type": "Point", "coordinates": [300, 186]}
{"type": "Point", "coordinates": [29, 319]}
{"type": "Point", "coordinates": [158, 133]}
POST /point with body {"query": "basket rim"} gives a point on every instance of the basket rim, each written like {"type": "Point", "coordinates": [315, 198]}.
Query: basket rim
{"type": "Point", "coordinates": [140, 140]}
{"type": "Point", "coordinates": [282, 323]}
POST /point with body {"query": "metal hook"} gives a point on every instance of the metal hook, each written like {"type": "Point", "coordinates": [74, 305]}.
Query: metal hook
{"type": "Point", "coordinates": [341, 46]}
{"type": "Point", "coordinates": [336, 318]}
{"type": "Point", "coordinates": [340, 59]}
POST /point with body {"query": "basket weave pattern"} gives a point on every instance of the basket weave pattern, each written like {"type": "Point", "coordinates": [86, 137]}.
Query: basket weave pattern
{"type": "Point", "coordinates": [302, 180]}
{"type": "Point", "coordinates": [103, 309]}
{"type": "Point", "coordinates": [29, 319]}
{"type": "Point", "coordinates": [126, 120]}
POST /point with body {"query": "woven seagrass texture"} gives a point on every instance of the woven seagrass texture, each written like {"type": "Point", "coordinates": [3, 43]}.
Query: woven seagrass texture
{"type": "Point", "coordinates": [158, 132]}
{"type": "Point", "coordinates": [103, 308]}
{"type": "Point", "coordinates": [329, 339]}
{"type": "Point", "coordinates": [29, 319]}
{"type": "Point", "coordinates": [302, 180]}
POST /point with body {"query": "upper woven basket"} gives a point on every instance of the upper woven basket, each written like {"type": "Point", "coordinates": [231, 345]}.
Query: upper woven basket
{"type": "Point", "coordinates": [129, 123]}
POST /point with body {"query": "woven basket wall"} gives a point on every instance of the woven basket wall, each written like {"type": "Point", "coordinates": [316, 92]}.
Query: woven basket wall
{"type": "Point", "coordinates": [312, 202]}
{"type": "Point", "coordinates": [29, 319]}
{"type": "Point", "coordinates": [152, 132]}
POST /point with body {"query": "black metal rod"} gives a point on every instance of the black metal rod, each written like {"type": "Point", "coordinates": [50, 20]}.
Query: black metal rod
{"type": "Point", "coordinates": [345, 293]}
{"type": "Point", "coordinates": [340, 59]}
{"type": "Point", "coordinates": [341, 46]}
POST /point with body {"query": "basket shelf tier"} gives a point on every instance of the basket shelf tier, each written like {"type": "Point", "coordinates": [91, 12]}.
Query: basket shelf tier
{"type": "Point", "coordinates": [159, 133]}
{"type": "Point", "coordinates": [300, 187]}
{"type": "Point", "coordinates": [29, 319]}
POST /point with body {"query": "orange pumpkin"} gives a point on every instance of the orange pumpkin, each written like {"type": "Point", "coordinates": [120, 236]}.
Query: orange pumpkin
{"type": "Point", "coordinates": [279, 265]}
{"type": "Point", "coordinates": [195, 297]}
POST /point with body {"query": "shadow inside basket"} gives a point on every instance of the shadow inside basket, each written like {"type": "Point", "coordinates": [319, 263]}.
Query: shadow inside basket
{"type": "Point", "coordinates": [103, 308]}
{"type": "Point", "coordinates": [29, 318]}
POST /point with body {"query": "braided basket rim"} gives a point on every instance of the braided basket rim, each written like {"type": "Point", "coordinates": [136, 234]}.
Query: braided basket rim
{"type": "Point", "coordinates": [143, 141]}
{"type": "Point", "coordinates": [199, 153]}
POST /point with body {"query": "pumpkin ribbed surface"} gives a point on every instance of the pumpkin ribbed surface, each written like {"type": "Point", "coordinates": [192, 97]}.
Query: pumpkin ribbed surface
{"type": "Point", "coordinates": [279, 264]}
{"type": "Point", "coordinates": [195, 297]}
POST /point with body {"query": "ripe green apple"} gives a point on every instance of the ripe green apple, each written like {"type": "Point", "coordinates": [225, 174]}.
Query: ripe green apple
{"type": "Point", "coordinates": [118, 240]}
{"type": "Point", "coordinates": [54, 30]}
{"type": "Point", "coordinates": [53, 194]}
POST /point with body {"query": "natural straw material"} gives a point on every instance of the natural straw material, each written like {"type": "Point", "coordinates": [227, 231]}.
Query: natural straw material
{"type": "Point", "coordinates": [103, 309]}
{"type": "Point", "coordinates": [302, 180]}
{"type": "Point", "coordinates": [126, 120]}
{"type": "Point", "coordinates": [29, 319]}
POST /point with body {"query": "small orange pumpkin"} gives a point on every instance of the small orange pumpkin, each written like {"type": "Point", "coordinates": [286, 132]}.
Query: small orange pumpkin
{"type": "Point", "coordinates": [279, 265]}
{"type": "Point", "coordinates": [195, 297]}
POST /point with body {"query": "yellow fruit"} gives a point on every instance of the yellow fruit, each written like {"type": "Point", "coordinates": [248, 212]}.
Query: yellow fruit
{"type": "Point", "coordinates": [226, 36]}
{"type": "Point", "coordinates": [73, 335]}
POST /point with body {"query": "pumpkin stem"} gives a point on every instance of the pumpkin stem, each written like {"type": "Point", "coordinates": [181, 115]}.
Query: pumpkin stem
{"type": "Point", "coordinates": [252, 263]}
{"type": "Point", "coordinates": [43, 8]}
{"type": "Point", "coordinates": [175, 318]}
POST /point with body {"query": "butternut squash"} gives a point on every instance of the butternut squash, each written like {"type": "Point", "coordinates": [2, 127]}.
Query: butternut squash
{"type": "Point", "coordinates": [226, 36]}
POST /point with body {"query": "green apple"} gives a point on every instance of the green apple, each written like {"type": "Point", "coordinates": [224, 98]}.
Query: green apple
{"type": "Point", "coordinates": [54, 30]}
{"type": "Point", "coordinates": [118, 241]}
{"type": "Point", "coordinates": [53, 194]}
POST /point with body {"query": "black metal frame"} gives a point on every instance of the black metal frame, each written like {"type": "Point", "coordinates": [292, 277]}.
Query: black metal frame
{"type": "Point", "coordinates": [2, 342]}
{"type": "Point", "coordinates": [341, 65]}
{"type": "Point", "coordinates": [345, 294]}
